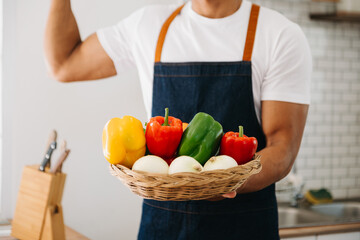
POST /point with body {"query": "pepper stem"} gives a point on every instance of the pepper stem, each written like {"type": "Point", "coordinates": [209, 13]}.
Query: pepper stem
{"type": "Point", "coordinates": [166, 121]}
{"type": "Point", "coordinates": [241, 131]}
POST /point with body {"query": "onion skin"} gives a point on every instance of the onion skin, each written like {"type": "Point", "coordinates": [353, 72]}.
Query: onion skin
{"type": "Point", "coordinates": [185, 164]}
{"type": "Point", "coordinates": [220, 162]}
{"type": "Point", "coordinates": [151, 164]}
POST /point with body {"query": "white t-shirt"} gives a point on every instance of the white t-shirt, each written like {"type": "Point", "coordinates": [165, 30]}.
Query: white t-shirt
{"type": "Point", "coordinates": [281, 60]}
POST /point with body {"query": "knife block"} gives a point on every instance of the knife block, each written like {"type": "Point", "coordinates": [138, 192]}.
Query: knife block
{"type": "Point", "coordinates": [38, 214]}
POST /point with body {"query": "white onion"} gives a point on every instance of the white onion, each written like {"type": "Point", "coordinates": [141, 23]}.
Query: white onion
{"type": "Point", "coordinates": [220, 162]}
{"type": "Point", "coordinates": [151, 164]}
{"type": "Point", "coordinates": [185, 164]}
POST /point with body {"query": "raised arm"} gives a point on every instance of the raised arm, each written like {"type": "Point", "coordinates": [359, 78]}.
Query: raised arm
{"type": "Point", "coordinates": [68, 57]}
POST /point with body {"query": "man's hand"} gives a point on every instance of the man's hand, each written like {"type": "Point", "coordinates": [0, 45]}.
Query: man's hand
{"type": "Point", "coordinates": [230, 195]}
{"type": "Point", "coordinates": [227, 195]}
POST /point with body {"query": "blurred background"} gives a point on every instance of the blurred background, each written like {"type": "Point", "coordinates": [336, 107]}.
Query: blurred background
{"type": "Point", "coordinates": [97, 204]}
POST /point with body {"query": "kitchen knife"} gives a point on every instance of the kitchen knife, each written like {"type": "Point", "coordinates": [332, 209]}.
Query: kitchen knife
{"type": "Point", "coordinates": [47, 157]}
{"type": "Point", "coordinates": [52, 138]}
{"type": "Point", "coordinates": [63, 146]}
{"type": "Point", "coordinates": [58, 165]}
{"type": "Point", "coordinates": [50, 147]}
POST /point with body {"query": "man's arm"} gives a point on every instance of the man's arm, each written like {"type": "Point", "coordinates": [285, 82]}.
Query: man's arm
{"type": "Point", "coordinates": [283, 125]}
{"type": "Point", "coordinates": [70, 59]}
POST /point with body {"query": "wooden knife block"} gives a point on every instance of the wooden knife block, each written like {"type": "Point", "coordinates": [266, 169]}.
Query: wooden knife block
{"type": "Point", "coordinates": [38, 214]}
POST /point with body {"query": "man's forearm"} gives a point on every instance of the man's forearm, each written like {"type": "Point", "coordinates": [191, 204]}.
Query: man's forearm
{"type": "Point", "coordinates": [283, 124]}
{"type": "Point", "coordinates": [276, 163]}
{"type": "Point", "coordinates": [61, 34]}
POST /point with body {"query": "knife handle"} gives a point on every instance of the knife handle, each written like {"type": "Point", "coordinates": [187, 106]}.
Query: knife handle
{"type": "Point", "coordinates": [58, 165]}
{"type": "Point", "coordinates": [52, 138]}
{"type": "Point", "coordinates": [47, 157]}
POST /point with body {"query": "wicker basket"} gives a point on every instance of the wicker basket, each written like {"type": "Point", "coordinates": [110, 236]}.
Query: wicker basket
{"type": "Point", "coordinates": [186, 186]}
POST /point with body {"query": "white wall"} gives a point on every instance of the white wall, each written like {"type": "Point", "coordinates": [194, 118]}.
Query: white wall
{"type": "Point", "coordinates": [95, 203]}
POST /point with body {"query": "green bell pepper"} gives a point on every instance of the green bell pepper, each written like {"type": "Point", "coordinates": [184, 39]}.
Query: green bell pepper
{"type": "Point", "coordinates": [201, 139]}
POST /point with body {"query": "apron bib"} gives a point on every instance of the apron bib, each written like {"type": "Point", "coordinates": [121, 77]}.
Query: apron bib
{"type": "Point", "coordinates": [223, 90]}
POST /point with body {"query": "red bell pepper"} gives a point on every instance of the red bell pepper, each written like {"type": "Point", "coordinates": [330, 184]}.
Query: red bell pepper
{"type": "Point", "coordinates": [238, 146]}
{"type": "Point", "coordinates": [163, 135]}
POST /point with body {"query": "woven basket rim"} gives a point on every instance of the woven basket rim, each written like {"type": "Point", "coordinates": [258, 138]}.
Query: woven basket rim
{"type": "Point", "coordinates": [256, 158]}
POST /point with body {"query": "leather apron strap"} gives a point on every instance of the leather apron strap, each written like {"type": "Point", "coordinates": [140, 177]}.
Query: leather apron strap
{"type": "Point", "coordinates": [163, 32]}
{"type": "Point", "coordinates": [250, 38]}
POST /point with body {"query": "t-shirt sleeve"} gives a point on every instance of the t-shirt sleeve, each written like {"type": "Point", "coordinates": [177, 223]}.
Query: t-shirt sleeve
{"type": "Point", "coordinates": [288, 76]}
{"type": "Point", "coordinates": [118, 41]}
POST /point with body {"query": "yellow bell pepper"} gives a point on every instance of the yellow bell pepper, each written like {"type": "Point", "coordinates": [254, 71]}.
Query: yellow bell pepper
{"type": "Point", "coordinates": [123, 141]}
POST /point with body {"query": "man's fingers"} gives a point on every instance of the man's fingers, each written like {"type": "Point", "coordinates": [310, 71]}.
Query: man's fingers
{"type": "Point", "coordinates": [214, 199]}
{"type": "Point", "coordinates": [230, 195]}
{"type": "Point", "coordinates": [227, 195]}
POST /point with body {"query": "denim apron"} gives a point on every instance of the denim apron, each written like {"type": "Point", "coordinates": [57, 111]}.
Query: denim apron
{"type": "Point", "coordinates": [223, 90]}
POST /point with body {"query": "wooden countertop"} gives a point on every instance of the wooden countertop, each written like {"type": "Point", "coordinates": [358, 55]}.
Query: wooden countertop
{"type": "Point", "coordinates": [317, 230]}
{"type": "Point", "coordinates": [69, 233]}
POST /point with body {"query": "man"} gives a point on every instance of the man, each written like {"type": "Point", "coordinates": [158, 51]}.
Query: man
{"type": "Point", "coordinates": [241, 63]}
